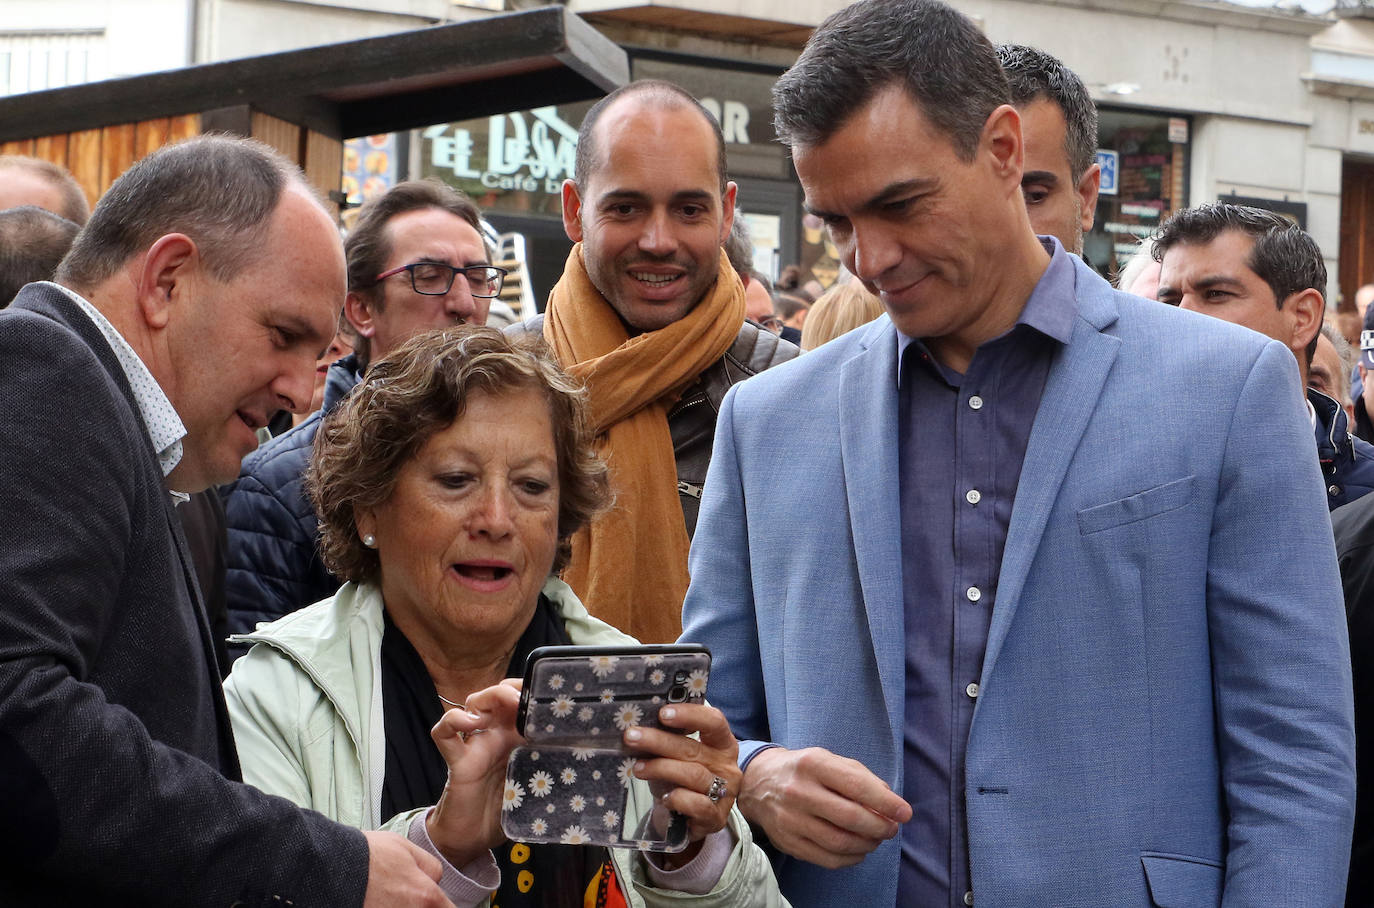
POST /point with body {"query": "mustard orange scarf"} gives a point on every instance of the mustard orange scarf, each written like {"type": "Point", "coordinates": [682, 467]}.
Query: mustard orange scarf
{"type": "Point", "coordinates": [630, 565]}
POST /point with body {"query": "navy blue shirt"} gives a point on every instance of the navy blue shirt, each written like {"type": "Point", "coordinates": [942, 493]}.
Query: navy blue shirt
{"type": "Point", "coordinates": [963, 439]}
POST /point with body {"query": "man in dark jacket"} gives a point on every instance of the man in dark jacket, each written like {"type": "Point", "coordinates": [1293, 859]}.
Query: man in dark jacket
{"type": "Point", "coordinates": [138, 377]}
{"type": "Point", "coordinates": [416, 261]}
{"type": "Point", "coordinates": [651, 316]}
{"type": "Point", "coordinates": [1354, 529]}
{"type": "Point", "coordinates": [1254, 268]}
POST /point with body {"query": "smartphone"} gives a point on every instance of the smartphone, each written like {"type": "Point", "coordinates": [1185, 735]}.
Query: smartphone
{"type": "Point", "coordinates": [573, 781]}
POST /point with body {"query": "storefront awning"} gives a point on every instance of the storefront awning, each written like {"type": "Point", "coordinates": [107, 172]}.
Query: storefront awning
{"type": "Point", "coordinates": [375, 85]}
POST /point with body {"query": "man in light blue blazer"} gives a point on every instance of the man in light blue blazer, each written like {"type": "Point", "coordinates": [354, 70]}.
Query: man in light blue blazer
{"type": "Point", "coordinates": [1056, 619]}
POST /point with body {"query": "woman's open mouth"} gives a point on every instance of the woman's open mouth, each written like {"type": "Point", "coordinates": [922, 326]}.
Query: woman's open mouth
{"type": "Point", "coordinates": [484, 575]}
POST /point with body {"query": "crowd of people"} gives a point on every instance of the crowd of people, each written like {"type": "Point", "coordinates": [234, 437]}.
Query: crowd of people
{"type": "Point", "coordinates": [1021, 589]}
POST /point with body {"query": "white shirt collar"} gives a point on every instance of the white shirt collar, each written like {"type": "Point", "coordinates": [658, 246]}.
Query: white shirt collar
{"type": "Point", "coordinates": [165, 428]}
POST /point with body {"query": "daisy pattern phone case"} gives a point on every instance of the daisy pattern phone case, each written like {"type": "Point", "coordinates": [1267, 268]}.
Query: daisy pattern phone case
{"type": "Point", "coordinates": [573, 782]}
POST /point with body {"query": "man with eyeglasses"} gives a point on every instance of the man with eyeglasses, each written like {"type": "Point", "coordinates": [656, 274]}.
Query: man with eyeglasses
{"type": "Point", "coordinates": [416, 262]}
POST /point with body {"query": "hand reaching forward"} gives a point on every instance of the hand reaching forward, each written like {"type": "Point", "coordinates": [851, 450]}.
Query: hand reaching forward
{"type": "Point", "coordinates": [475, 743]}
{"type": "Point", "coordinates": [399, 873]}
{"type": "Point", "coordinates": [819, 806]}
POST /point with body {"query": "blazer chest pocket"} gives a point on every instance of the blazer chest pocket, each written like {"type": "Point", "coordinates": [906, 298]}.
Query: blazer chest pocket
{"type": "Point", "coordinates": [1134, 508]}
{"type": "Point", "coordinates": [1178, 881]}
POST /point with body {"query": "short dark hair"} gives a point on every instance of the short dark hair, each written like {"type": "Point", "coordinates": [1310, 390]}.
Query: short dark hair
{"type": "Point", "coordinates": [788, 305]}
{"type": "Point", "coordinates": [419, 390]}
{"type": "Point", "coordinates": [1035, 75]}
{"type": "Point", "coordinates": [219, 190]}
{"type": "Point", "coordinates": [739, 248]}
{"type": "Point", "coordinates": [1284, 255]}
{"type": "Point", "coordinates": [945, 64]}
{"type": "Point", "coordinates": [663, 95]}
{"type": "Point", "coordinates": [368, 246]}
{"type": "Point", "coordinates": [75, 208]}
{"type": "Point", "coordinates": [32, 243]}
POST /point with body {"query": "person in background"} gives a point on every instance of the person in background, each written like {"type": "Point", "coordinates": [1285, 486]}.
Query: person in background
{"type": "Point", "coordinates": [1061, 176]}
{"type": "Point", "coordinates": [1360, 386]}
{"type": "Point", "coordinates": [1140, 275]}
{"type": "Point", "coordinates": [1255, 268]}
{"type": "Point", "coordinates": [1329, 373]}
{"type": "Point", "coordinates": [448, 486]}
{"type": "Point", "coordinates": [758, 297]}
{"type": "Point", "coordinates": [1039, 515]}
{"type": "Point", "coordinates": [792, 310]}
{"type": "Point", "coordinates": [33, 241]}
{"type": "Point", "coordinates": [339, 347]}
{"type": "Point", "coordinates": [1363, 297]}
{"type": "Point", "coordinates": [651, 316]}
{"type": "Point", "coordinates": [758, 292]}
{"type": "Point", "coordinates": [34, 181]}
{"type": "Point", "coordinates": [840, 310]}
{"type": "Point", "coordinates": [416, 261]}
{"type": "Point", "coordinates": [139, 375]}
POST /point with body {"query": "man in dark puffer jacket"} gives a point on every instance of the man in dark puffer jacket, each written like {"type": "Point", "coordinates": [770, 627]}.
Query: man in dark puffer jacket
{"type": "Point", "coordinates": [416, 261]}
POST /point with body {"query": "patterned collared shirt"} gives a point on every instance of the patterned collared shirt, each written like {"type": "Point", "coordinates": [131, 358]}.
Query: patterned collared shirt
{"type": "Point", "coordinates": [165, 428]}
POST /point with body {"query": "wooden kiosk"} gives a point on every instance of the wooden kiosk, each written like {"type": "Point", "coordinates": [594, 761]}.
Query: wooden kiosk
{"type": "Point", "coordinates": [306, 102]}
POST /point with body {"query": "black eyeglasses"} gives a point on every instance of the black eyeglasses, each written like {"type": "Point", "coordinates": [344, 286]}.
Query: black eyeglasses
{"type": "Point", "coordinates": [436, 278]}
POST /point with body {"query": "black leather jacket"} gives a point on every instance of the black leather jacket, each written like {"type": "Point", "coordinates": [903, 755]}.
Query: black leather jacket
{"type": "Point", "coordinates": [692, 421]}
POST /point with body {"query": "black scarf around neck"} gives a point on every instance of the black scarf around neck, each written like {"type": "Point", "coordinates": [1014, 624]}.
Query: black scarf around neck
{"type": "Point", "coordinates": [532, 876]}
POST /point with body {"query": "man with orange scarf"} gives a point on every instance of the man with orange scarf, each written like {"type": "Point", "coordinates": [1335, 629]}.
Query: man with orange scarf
{"type": "Point", "coordinates": [650, 316]}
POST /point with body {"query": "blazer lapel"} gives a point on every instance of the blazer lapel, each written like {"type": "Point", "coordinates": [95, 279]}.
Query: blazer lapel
{"type": "Point", "coordinates": [1075, 383]}
{"type": "Point", "coordinates": [55, 304]}
{"type": "Point", "coordinates": [868, 455]}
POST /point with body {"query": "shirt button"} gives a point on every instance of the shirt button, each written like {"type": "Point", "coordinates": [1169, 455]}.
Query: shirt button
{"type": "Point", "coordinates": [973, 496]}
{"type": "Point", "coordinates": [968, 898]}
{"type": "Point", "coordinates": [975, 403]}
{"type": "Point", "coordinates": [973, 594]}
{"type": "Point", "coordinates": [1333, 491]}
{"type": "Point", "coordinates": [972, 690]}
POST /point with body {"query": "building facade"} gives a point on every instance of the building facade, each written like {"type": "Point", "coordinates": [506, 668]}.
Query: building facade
{"type": "Point", "coordinates": [1198, 101]}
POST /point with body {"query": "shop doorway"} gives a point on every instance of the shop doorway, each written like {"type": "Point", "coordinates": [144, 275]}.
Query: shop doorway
{"type": "Point", "coordinates": [1357, 227]}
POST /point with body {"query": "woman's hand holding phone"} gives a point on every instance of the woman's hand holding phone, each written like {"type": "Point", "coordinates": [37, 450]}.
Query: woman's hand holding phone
{"type": "Point", "coordinates": [693, 765]}
{"type": "Point", "coordinates": [475, 743]}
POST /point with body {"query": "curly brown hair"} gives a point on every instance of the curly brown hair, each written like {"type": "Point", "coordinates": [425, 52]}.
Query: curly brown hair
{"type": "Point", "coordinates": [419, 390]}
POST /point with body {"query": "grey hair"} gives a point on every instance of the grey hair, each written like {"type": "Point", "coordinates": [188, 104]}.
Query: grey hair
{"type": "Point", "coordinates": [75, 208]}
{"type": "Point", "coordinates": [218, 190]}
{"type": "Point", "coordinates": [32, 242]}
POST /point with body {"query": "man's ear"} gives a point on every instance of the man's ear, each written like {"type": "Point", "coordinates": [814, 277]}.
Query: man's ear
{"type": "Point", "coordinates": [1001, 139]}
{"type": "Point", "coordinates": [164, 276]}
{"type": "Point", "coordinates": [358, 314]}
{"type": "Point", "coordinates": [572, 211]}
{"type": "Point", "coordinates": [727, 220]}
{"type": "Point", "coordinates": [1088, 187]}
{"type": "Point", "coordinates": [1307, 308]}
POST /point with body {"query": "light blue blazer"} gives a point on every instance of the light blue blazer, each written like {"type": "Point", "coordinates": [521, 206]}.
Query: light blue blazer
{"type": "Point", "coordinates": [1165, 706]}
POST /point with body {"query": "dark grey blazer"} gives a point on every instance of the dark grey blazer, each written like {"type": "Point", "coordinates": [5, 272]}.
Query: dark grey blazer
{"type": "Point", "coordinates": [117, 763]}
